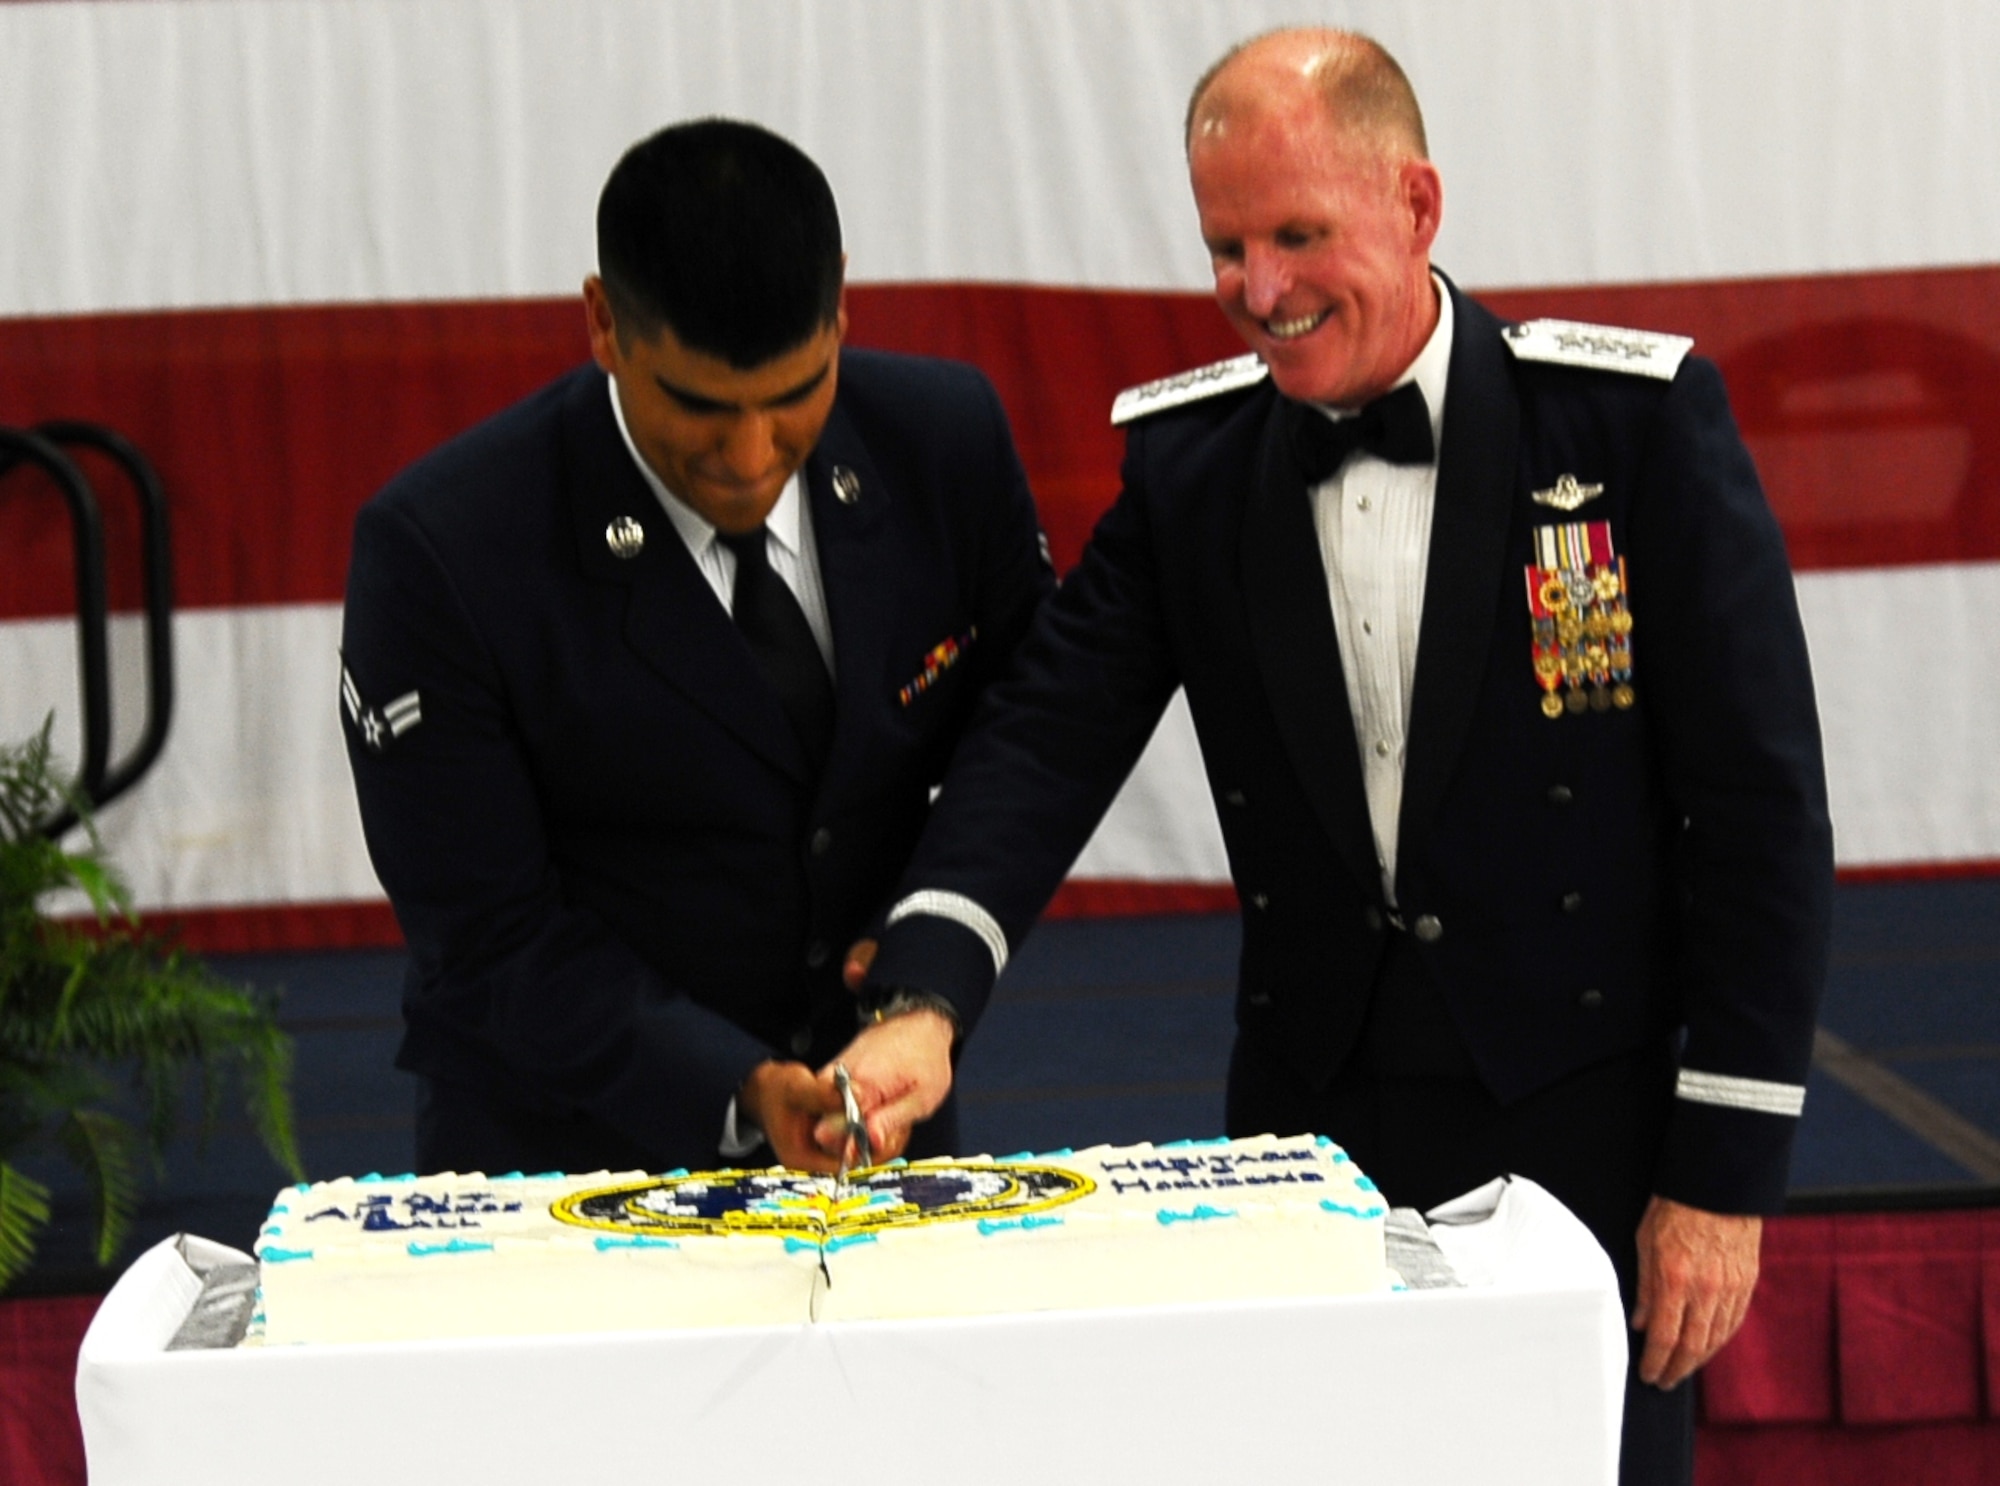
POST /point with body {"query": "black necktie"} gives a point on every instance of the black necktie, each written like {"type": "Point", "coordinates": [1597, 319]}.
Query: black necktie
{"type": "Point", "coordinates": [768, 614]}
{"type": "Point", "coordinates": [1396, 426]}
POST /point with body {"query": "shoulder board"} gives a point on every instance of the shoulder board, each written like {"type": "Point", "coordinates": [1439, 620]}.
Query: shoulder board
{"type": "Point", "coordinates": [1641, 353]}
{"type": "Point", "coordinates": [1188, 386]}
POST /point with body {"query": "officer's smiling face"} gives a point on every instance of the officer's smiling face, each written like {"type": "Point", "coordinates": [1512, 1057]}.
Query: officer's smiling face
{"type": "Point", "coordinates": [1319, 240]}
{"type": "Point", "coordinates": [724, 440]}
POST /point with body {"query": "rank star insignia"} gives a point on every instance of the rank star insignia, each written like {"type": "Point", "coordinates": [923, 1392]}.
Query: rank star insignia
{"type": "Point", "coordinates": [379, 726]}
{"type": "Point", "coordinates": [1567, 493]}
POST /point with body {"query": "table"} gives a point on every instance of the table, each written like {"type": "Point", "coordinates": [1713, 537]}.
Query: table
{"type": "Point", "coordinates": [1518, 1376]}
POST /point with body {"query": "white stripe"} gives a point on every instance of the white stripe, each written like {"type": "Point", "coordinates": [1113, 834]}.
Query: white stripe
{"type": "Point", "coordinates": [960, 910]}
{"type": "Point", "coordinates": [1731, 1092]}
{"type": "Point", "coordinates": [1906, 783]}
{"type": "Point", "coordinates": [318, 153]}
{"type": "Point", "coordinates": [252, 803]}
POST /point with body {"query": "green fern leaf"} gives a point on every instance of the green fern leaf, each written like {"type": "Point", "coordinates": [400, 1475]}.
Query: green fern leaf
{"type": "Point", "coordinates": [107, 1151]}
{"type": "Point", "coordinates": [24, 1211]}
{"type": "Point", "coordinates": [113, 999]}
{"type": "Point", "coordinates": [107, 893]}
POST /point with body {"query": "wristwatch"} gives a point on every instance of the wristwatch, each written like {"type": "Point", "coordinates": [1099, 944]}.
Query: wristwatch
{"type": "Point", "coordinates": [880, 1003]}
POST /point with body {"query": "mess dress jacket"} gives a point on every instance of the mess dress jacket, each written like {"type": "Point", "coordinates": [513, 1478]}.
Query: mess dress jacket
{"type": "Point", "coordinates": [619, 889]}
{"type": "Point", "coordinates": [1581, 887]}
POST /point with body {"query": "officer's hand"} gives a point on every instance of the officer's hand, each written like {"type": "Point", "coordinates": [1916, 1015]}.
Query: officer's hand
{"type": "Point", "coordinates": [859, 958]}
{"type": "Point", "coordinates": [1696, 1272]}
{"type": "Point", "coordinates": [901, 1072]}
{"type": "Point", "coordinates": [786, 1100]}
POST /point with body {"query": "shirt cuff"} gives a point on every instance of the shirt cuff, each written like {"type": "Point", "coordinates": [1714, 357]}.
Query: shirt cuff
{"type": "Point", "coordinates": [739, 1137]}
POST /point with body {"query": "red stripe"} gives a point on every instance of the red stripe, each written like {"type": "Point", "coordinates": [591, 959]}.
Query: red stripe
{"type": "Point", "coordinates": [1872, 402]}
{"type": "Point", "coordinates": [1920, 871]}
{"type": "Point", "coordinates": [289, 926]}
{"type": "Point", "coordinates": [1105, 898]}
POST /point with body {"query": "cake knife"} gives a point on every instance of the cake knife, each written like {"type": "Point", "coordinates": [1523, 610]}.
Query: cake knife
{"type": "Point", "coordinates": [856, 1131]}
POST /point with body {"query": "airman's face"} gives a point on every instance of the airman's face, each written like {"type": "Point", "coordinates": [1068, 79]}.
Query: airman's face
{"type": "Point", "coordinates": [723, 440]}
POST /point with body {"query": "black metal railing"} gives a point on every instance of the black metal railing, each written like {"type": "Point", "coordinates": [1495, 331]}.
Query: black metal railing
{"type": "Point", "coordinates": [46, 447]}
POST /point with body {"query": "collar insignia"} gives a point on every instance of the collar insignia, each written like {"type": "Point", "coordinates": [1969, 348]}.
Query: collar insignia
{"type": "Point", "coordinates": [625, 537]}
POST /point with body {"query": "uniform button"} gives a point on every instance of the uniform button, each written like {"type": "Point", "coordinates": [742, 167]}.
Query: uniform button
{"type": "Point", "coordinates": [802, 1041]}
{"type": "Point", "coordinates": [1560, 795]}
{"type": "Point", "coordinates": [1591, 999]}
{"type": "Point", "coordinates": [1260, 901]}
{"type": "Point", "coordinates": [1381, 748]}
{"type": "Point", "coordinates": [822, 841]}
{"type": "Point", "coordinates": [1428, 928]}
{"type": "Point", "coordinates": [816, 954]}
{"type": "Point", "coordinates": [1572, 902]}
{"type": "Point", "coordinates": [1373, 918]}
{"type": "Point", "coordinates": [1258, 998]}
{"type": "Point", "coordinates": [1233, 797]}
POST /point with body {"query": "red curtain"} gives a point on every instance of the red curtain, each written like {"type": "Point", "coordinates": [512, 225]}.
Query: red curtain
{"type": "Point", "coordinates": [41, 1443]}
{"type": "Point", "coordinates": [1871, 1353]}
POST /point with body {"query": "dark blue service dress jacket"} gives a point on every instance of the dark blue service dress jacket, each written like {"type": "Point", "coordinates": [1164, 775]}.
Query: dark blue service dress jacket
{"type": "Point", "coordinates": [619, 888]}
{"type": "Point", "coordinates": [1580, 886]}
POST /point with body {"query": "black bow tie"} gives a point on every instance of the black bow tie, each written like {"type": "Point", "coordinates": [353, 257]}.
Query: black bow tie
{"type": "Point", "coordinates": [1396, 426]}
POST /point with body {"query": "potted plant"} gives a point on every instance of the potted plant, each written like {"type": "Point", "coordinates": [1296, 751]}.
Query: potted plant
{"type": "Point", "coordinates": [86, 1009]}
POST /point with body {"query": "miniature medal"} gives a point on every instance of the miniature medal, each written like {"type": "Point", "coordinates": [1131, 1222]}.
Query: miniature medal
{"type": "Point", "coordinates": [1580, 626]}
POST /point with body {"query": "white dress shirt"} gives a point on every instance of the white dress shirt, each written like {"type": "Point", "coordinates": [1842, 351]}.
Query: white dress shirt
{"type": "Point", "coordinates": [1374, 524]}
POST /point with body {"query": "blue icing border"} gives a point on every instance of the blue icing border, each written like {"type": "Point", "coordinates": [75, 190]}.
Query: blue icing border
{"type": "Point", "coordinates": [830, 1245]}
{"type": "Point", "coordinates": [1202, 1213]}
{"type": "Point", "coordinates": [1353, 1212]}
{"type": "Point", "coordinates": [456, 1246]}
{"type": "Point", "coordinates": [637, 1241]}
{"type": "Point", "coordinates": [988, 1226]}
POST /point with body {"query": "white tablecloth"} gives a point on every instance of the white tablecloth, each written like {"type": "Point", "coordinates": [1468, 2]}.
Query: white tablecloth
{"type": "Point", "coordinates": [1517, 1377]}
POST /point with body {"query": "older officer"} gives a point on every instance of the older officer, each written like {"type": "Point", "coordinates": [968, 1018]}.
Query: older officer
{"type": "Point", "coordinates": [1490, 643]}
{"type": "Point", "coordinates": [649, 678]}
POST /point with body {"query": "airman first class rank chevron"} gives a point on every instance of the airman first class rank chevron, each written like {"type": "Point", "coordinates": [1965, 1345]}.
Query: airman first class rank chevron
{"type": "Point", "coordinates": [378, 726]}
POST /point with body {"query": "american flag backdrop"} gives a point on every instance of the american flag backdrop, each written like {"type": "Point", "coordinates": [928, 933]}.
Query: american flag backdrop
{"type": "Point", "coordinates": [288, 245]}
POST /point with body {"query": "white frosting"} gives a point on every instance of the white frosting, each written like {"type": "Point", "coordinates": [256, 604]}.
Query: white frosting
{"type": "Point", "coordinates": [375, 1259]}
{"type": "Point", "coordinates": [1195, 1221]}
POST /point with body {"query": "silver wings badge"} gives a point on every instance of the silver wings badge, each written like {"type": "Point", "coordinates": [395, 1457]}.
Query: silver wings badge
{"type": "Point", "coordinates": [1567, 493]}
